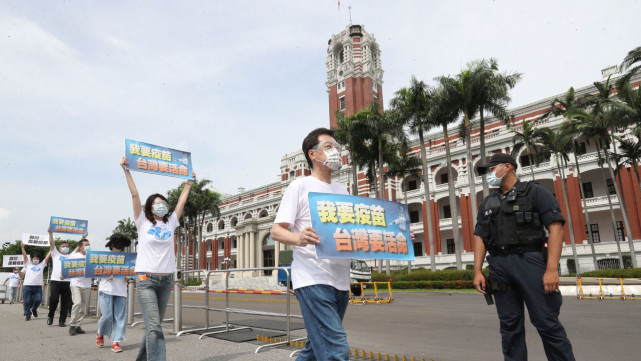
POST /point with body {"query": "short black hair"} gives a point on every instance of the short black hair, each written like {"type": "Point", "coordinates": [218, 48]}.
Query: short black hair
{"type": "Point", "coordinates": [118, 241]}
{"type": "Point", "coordinates": [148, 212]}
{"type": "Point", "coordinates": [311, 140]}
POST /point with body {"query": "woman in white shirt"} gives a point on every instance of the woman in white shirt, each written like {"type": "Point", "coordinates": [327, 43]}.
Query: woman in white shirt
{"type": "Point", "coordinates": [33, 270]}
{"type": "Point", "coordinates": [155, 262]}
{"type": "Point", "coordinates": [112, 293]}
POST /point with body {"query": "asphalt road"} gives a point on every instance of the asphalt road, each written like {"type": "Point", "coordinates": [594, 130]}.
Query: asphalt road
{"type": "Point", "coordinates": [454, 327]}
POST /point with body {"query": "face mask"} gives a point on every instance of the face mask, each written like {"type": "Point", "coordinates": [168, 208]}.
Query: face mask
{"type": "Point", "coordinates": [87, 248]}
{"type": "Point", "coordinates": [35, 262]}
{"type": "Point", "coordinates": [160, 209]}
{"type": "Point", "coordinates": [493, 180]}
{"type": "Point", "coordinates": [15, 271]}
{"type": "Point", "coordinates": [333, 159]}
{"type": "Point", "coordinates": [64, 249]}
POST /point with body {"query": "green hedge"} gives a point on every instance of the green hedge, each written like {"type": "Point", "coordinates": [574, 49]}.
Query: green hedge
{"type": "Point", "coordinates": [434, 285]}
{"type": "Point", "coordinates": [615, 273]}
{"type": "Point", "coordinates": [422, 274]}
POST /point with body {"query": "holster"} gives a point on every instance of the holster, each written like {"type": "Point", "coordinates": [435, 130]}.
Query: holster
{"type": "Point", "coordinates": [489, 290]}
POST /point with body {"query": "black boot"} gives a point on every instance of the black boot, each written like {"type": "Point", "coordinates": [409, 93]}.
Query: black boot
{"type": "Point", "coordinates": [80, 331]}
{"type": "Point", "coordinates": [62, 324]}
{"type": "Point", "coordinates": [27, 317]}
{"type": "Point", "coordinates": [49, 321]}
{"type": "Point", "coordinates": [72, 331]}
{"type": "Point", "coordinates": [35, 312]}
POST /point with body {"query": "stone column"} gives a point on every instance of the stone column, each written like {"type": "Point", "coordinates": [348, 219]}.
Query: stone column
{"type": "Point", "coordinates": [252, 249]}
{"type": "Point", "coordinates": [240, 261]}
{"type": "Point", "coordinates": [246, 250]}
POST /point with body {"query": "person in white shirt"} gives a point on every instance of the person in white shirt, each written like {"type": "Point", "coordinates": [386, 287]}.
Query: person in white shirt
{"type": "Point", "coordinates": [155, 262]}
{"type": "Point", "coordinates": [59, 289]}
{"type": "Point", "coordinates": [321, 285]}
{"type": "Point", "coordinates": [14, 283]}
{"type": "Point", "coordinates": [112, 293]}
{"type": "Point", "coordinates": [80, 290]}
{"type": "Point", "coordinates": [32, 290]}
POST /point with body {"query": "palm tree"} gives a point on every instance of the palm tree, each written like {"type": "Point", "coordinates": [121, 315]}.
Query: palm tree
{"type": "Point", "coordinates": [127, 228]}
{"type": "Point", "coordinates": [444, 113]}
{"type": "Point", "coordinates": [631, 155]}
{"type": "Point", "coordinates": [493, 96]}
{"type": "Point", "coordinates": [526, 139]}
{"type": "Point", "coordinates": [349, 134]}
{"type": "Point", "coordinates": [632, 63]}
{"type": "Point", "coordinates": [413, 104]}
{"type": "Point", "coordinates": [559, 143]}
{"type": "Point", "coordinates": [202, 202]}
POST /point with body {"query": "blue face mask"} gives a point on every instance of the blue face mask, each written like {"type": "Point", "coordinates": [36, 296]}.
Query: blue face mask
{"type": "Point", "coordinates": [87, 248]}
{"type": "Point", "coordinates": [64, 250]}
{"type": "Point", "coordinates": [493, 180]}
{"type": "Point", "coordinates": [160, 209]}
{"type": "Point", "coordinates": [35, 262]}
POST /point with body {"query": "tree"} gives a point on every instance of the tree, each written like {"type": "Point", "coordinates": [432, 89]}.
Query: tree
{"type": "Point", "coordinates": [414, 104]}
{"type": "Point", "coordinates": [631, 155]}
{"type": "Point", "coordinates": [127, 228]}
{"type": "Point", "coordinates": [404, 165]}
{"type": "Point", "coordinates": [202, 202]}
{"type": "Point", "coordinates": [559, 143]}
{"type": "Point", "coordinates": [349, 134]}
{"type": "Point", "coordinates": [526, 139]}
{"type": "Point", "coordinates": [631, 63]}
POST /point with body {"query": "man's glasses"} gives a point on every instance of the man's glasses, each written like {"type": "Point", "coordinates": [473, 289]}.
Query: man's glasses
{"type": "Point", "coordinates": [492, 169]}
{"type": "Point", "coordinates": [328, 146]}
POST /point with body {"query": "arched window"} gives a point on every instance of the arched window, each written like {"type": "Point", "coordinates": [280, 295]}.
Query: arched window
{"type": "Point", "coordinates": [263, 214]}
{"type": "Point", "coordinates": [221, 225]}
{"type": "Point", "coordinates": [210, 227]}
{"type": "Point", "coordinates": [269, 252]}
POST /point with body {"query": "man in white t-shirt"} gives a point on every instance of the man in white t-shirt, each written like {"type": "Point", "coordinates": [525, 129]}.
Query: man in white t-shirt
{"type": "Point", "coordinates": [58, 285]}
{"type": "Point", "coordinates": [14, 283]}
{"type": "Point", "coordinates": [33, 273]}
{"type": "Point", "coordinates": [80, 291]}
{"type": "Point", "coordinates": [321, 284]}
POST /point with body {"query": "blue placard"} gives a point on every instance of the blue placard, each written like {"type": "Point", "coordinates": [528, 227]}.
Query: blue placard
{"type": "Point", "coordinates": [149, 158]}
{"type": "Point", "coordinates": [68, 225]}
{"type": "Point", "coordinates": [107, 264]}
{"type": "Point", "coordinates": [73, 267]}
{"type": "Point", "coordinates": [360, 228]}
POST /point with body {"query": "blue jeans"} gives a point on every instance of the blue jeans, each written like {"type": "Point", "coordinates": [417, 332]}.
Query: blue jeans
{"type": "Point", "coordinates": [153, 295]}
{"type": "Point", "coordinates": [32, 298]}
{"type": "Point", "coordinates": [13, 292]}
{"type": "Point", "coordinates": [323, 308]}
{"type": "Point", "coordinates": [113, 322]}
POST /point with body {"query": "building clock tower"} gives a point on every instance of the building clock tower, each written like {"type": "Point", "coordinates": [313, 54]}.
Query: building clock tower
{"type": "Point", "coordinates": [354, 73]}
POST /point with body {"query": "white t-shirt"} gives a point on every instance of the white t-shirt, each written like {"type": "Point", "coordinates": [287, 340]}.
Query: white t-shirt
{"type": "Point", "coordinates": [156, 245]}
{"type": "Point", "coordinates": [33, 273]}
{"type": "Point", "coordinates": [79, 281]}
{"type": "Point", "coordinates": [114, 287]}
{"type": "Point", "coordinates": [14, 280]}
{"type": "Point", "coordinates": [56, 262]}
{"type": "Point", "coordinates": [307, 268]}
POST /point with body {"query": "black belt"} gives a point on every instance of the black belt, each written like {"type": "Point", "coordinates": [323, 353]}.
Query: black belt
{"type": "Point", "coordinates": [515, 250]}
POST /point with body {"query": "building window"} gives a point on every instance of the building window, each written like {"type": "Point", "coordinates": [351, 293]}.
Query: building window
{"type": "Point", "coordinates": [610, 184]}
{"type": "Point", "coordinates": [444, 178]}
{"type": "Point", "coordinates": [587, 190]}
{"type": "Point", "coordinates": [418, 249]}
{"type": "Point", "coordinates": [447, 212]}
{"type": "Point", "coordinates": [596, 238]}
{"type": "Point", "coordinates": [525, 161]}
{"type": "Point", "coordinates": [210, 227]}
{"type": "Point", "coordinates": [234, 243]}
{"type": "Point", "coordinates": [292, 173]}
{"type": "Point", "coordinates": [451, 249]}
{"type": "Point", "coordinates": [222, 245]}
{"type": "Point", "coordinates": [341, 57]}
{"type": "Point", "coordinates": [620, 231]}
{"type": "Point", "coordinates": [580, 148]}
{"type": "Point", "coordinates": [415, 217]}
{"type": "Point", "coordinates": [341, 101]}
{"type": "Point", "coordinates": [412, 185]}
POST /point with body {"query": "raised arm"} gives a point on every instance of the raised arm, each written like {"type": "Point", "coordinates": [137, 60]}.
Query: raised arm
{"type": "Point", "coordinates": [180, 206]}
{"type": "Point", "coordinates": [52, 244]}
{"type": "Point", "coordinates": [135, 197]}
{"type": "Point", "coordinates": [24, 253]}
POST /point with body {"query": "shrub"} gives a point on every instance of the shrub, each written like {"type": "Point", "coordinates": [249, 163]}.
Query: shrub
{"type": "Point", "coordinates": [424, 275]}
{"type": "Point", "coordinates": [405, 285]}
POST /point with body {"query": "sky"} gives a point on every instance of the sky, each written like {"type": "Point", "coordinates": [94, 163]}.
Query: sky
{"type": "Point", "coordinates": [239, 83]}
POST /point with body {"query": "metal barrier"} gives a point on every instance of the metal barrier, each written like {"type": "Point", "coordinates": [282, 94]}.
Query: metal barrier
{"type": "Point", "coordinates": [131, 303]}
{"type": "Point", "coordinates": [604, 284]}
{"type": "Point", "coordinates": [228, 326]}
{"type": "Point", "coordinates": [377, 299]}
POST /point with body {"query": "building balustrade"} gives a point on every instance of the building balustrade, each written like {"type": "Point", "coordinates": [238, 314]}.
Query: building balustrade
{"type": "Point", "coordinates": [601, 201]}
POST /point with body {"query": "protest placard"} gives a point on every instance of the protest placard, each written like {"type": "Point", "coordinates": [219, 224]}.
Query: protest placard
{"type": "Point", "coordinates": [73, 268]}
{"type": "Point", "coordinates": [149, 158]}
{"type": "Point", "coordinates": [360, 228]}
{"type": "Point", "coordinates": [35, 240]}
{"type": "Point", "coordinates": [68, 225]}
{"type": "Point", "coordinates": [107, 264]}
{"type": "Point", "coordinates": [11, 261]}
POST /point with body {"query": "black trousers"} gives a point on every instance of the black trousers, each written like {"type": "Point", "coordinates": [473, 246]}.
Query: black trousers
{"type": "Point", "coordinates": [522, 278]}
{"type": "Point", "coordinates": [59, 290]}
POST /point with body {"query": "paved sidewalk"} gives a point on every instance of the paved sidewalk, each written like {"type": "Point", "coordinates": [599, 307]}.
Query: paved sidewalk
{"type": "Point", "coordinates": [34, 340]}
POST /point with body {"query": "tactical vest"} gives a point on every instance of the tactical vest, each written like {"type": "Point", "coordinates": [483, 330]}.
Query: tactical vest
{"type": "Point", "coordinates": [511, 223]}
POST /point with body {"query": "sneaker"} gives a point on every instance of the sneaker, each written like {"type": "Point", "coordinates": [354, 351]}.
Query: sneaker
{"type": "Point", "coordinates": [62, 324]}
{"type": "Point", "coordinates": [27, 317]}
{"type": "Point", "coordinates": [49, 321]}
{"type": "Point", "coordinates": [72, 331]}
{"type": "Point", "coordinates": [100, 340]}
{"type": "Point", "coordinates": [116, 347]}
{"type": "Point", "coordinates": [35, 312]}
{"type": "Point", "coordinates": [80, 331]}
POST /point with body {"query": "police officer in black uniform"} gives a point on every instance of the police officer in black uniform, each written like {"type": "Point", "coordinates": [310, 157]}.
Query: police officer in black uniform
{"type": "Point", "coordinates": [511, 227]}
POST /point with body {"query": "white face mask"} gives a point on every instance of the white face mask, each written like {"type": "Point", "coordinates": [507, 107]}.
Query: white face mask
{"type": "Point", "coordinates": [493, 180]}
{"type": "Point", "coordinates": [64, 250]}
{"type": "Point", "coordinates": [160, 209]}
{"type": "Point", "coordinates": [332, 159]}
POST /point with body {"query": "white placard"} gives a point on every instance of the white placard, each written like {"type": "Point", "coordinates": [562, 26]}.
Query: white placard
{"type": "Point", "coordinates": [11, 261]}
{"type": "Point", "coordinates": [35, 240]}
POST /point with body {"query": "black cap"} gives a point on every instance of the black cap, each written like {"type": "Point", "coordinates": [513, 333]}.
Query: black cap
{"type": "Point", "coordinates": [498, 158]}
